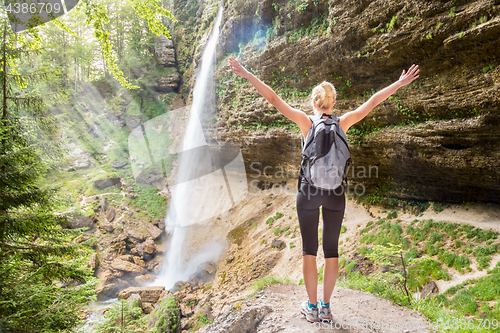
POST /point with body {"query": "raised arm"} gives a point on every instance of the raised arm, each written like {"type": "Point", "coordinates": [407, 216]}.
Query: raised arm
{"type": "Point", "coordinates": [350, 118]}
{"type": "Point", "coordinates": [297, 116]}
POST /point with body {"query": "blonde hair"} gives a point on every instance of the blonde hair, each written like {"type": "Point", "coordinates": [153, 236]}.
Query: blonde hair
{"type": "Point", "coordinates": [324, 94]}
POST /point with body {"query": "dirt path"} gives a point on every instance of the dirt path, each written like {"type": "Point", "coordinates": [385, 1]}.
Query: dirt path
{"type": "Point", "coordinates": [277, 309]}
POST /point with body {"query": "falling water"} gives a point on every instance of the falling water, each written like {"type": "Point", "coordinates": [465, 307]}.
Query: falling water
{"type": "Point", "coordinates": [182, 201]}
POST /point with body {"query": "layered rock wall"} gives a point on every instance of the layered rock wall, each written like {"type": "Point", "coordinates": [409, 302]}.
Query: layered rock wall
{"type": "Point", "coordinates": [433, 140]}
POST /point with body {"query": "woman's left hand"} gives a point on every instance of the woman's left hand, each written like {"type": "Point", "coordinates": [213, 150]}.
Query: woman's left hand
{"type": "Point", "coordinates": [408, 77]}
{"type": "Point", "coordinates": [238, 69]}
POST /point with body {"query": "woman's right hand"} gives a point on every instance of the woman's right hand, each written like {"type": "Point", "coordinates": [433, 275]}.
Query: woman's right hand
{"type": "Point", "coordinates": [238, 69]}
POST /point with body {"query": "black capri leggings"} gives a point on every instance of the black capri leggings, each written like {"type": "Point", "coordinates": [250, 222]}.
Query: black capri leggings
{"type": "Point", "coordinates": [309, 198]}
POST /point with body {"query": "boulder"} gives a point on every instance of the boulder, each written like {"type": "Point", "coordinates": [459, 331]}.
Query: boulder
{"type": "Point", "coordinates": [135, 235]}
{"type": "Point", "coordinates": [167, 312]}
{"type": "Point", "coordinates": [107, 226]}
{"type": "Point", "coordinates": [144, 279]}
{"type": "Point", "coordinates": [243, 321]}
{"type": "Point", "coordinates": [148, 294]}
{"type": "Point", "coordinates": [147, 307]}
{"type": "Point", "coordinates": [107, 182]}
{"type": "Point", "coordinates": [110, 215]}
{"type": "Point", "coordinates": [153, 231]}
{"type": "Point", "coordinates": [204, 273]}
{"type": "Point", "coordinates": [119, 164]}
{"type": "Point", "coordinates": [278, 243]}
{"type": "Point", "coordinates": [104, 203]}
{"type": "Point", "coordinates": [186, 310]}
{"type": "Point", "coordinates": [430, 288]}
{"type": "Point", "coordinates": [206, 310]}
{"type": "Point", "coordinates": [93, 261]}
{"type": "Point", "coordinates": [81, 222]}
{"type": "Point", "coordinates": [138, 261]}
{"type": "Point", "coordinates": [149, 248]}
{"type": "Point", "coordinates": [126, 266]}
{"type": "Point", "coordinates": [106, 284]}
{"type": "Point", "coordinates": [135, 297]}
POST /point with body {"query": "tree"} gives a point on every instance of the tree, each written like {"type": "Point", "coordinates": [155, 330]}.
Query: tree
{"type": "Point", "coordinates": [44, 279]}
{"type": "Point", "coordinates": [97, 15]}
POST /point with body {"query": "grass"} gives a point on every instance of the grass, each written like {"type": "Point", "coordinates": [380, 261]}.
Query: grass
{"type": "Point", "coordinates": [198, 321]}
{"type": "Point", "coordinates": [437, 309]}
{"type": "Point", "coordinates": [431, 238]}
{"type": "Point", "coordinates": [260, 283]}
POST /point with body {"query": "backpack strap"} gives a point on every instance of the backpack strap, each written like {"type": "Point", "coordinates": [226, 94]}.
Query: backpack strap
{"type": "Point", "coordinates": [301, 174]}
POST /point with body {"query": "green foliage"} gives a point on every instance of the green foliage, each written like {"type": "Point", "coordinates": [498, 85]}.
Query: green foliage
{"type": "Point", "coordinates": [123, 316]}
{"type": "Point", "coordinates": [423, 272]}
{"type": "Point", "coordinates": [452, 11]}
{"type": "Point", "coordinates": [451, 259]}
{"type": "Point", "coordinates": [486, 69]}
{"type": "Point", "coordinates": [392, 256]}
{"type": "Point", "coordinates": [464, 302]}
{"type": "Point", "coordinates": [270, 221]}
{"type": "Point", "coordinates": [278, 230]}
{"type": "Point", "coordinates": [168, 316]}
{"type": "Point", "coordinates": [44, 277]}
{"type": "Point", "coordinates": [199, 321]}
{"type": "Point", "coordinates": [97, 16]}
{"type": "Point", "coordinates": [266, 281]}
{"type": "Point", "coordinates": [392, 23]}
{"type": "Point", "coordinates": [302, 7]}
{"type": "Point", "coordinates": [343, 229]}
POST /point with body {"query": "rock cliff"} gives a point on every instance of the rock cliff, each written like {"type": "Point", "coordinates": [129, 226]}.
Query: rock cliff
{"type": "Point", "coordinates": [436, 139]}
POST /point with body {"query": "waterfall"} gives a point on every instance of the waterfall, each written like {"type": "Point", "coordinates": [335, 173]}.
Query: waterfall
{"type": "Point", "coordinates": [185, 207]}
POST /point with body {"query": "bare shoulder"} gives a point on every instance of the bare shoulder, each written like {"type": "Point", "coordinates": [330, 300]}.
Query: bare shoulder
{"type": "Point", "coordinates": [304, 123]}
{"type": "Point", "coordinates": [343, 123]}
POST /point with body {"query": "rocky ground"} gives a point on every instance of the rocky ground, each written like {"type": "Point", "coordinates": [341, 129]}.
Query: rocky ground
{"type": "Point", "coordinates": [226, 296]}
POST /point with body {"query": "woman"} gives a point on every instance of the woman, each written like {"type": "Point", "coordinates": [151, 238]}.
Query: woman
{"type": "Point", "coordinates": [333, 204]}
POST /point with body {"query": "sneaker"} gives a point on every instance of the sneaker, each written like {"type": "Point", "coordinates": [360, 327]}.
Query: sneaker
{"type": "Point", "coordinates": [311, 314]}
{"type": "Point", "coordinates": [324, 313]}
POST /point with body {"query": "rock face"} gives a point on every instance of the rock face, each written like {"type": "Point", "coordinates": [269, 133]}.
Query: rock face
{"type": "Point", "coordinates": [165, 53]}
{"type": "Point", "coordinates": [164, 49]}
{"type": "Point", "coordinates": [147, 294]}
{"type": "Point", "coordinates": [435, 139]}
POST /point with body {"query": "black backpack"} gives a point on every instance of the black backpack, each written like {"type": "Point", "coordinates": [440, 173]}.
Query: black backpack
{"type": "Point", "coordinates": [325, 154]}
